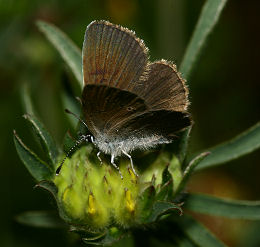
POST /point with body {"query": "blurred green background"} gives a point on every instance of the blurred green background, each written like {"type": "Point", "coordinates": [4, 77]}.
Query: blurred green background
{"type": "Point", "coordinates": [224, 91]}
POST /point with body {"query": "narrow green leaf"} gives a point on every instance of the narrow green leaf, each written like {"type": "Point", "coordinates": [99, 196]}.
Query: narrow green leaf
{"type": "Point", "coordinates": [208, 19]}
{"type": "Point", "coordinates": [38, 169]}
{"type": "Point", "coordinates": [183, 145]}
{"type": "Point", "coordinates": [197, 233]}
{"type": "Point", "coordinates": [179, 146]}
{"type": "Point", "coordinates": [223, 207]}
{"type": "Point", "coordinates": [161, 208]}
{"type": "Point", "coordinates": [71, 103]}
{"type": "Point", "coordinates": [189, 170]}
{"type": "Point", "coordinates": [243, 144]}
{"type": "Point", "coordinates": [43, 219]}
{"type": "Point", "coordinates": [46, 141]}
{"type": "Point", "coordinates": [26, 99]}
{"type": "Point", "coordinates": [68, 50]}
{"type": "Point", "coordinates": [68, 142]}
{"type": "Point", "coordinates": [185, 242]}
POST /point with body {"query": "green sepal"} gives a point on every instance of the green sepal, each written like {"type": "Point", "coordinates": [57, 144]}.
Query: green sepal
{"type": "Point", "coordinates": [146, 202]}
{"type": "Point", "coordinates": [161, 208]}
{"type": "Point", "coordinates": [45, 139]}
{"type": "Point", "coordinates": [165, 192]}
{"type": "Point", "coordinates": [111, 236]}
{"type": "Point", "coordinates": [41, 219]}
{"type": "Point", "coordinates": [87, 234]}
{"type": "Point", "coordinates": [37, 168]}
{"type": "Point", "coordinates": [166, 175]}
{"type": "Point", "coordinates": [175, 170]}
{"type": "Point", "coordinates": [51, 187]}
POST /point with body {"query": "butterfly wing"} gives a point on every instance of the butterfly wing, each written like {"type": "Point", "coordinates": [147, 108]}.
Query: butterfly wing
{"type": "Point", "coordinates": [112, 56]}
{"type": "Point", "coordinates": [125, 97]}
{"type": "Point", "coordinates": [166, 97]}
{"type": "Point", "coordinates": [155, 127]}
{"type": "Point", "coordinates": [163, 88]}
{"type": "Point", "coordinates": [106, 109]}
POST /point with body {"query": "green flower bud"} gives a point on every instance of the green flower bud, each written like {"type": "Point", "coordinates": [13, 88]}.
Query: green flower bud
{"type": "Point", "coordinates": [94, 197]}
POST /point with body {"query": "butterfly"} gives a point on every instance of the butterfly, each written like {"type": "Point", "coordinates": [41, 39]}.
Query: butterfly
{"type": "Point", "coordinates": [129, 102]}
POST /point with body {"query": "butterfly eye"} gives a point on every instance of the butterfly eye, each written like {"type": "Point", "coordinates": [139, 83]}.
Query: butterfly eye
{"type": "Point", "coordinates": [130, 108]}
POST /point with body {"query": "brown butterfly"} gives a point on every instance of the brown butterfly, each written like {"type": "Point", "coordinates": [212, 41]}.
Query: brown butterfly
{"type": "Point", "coordinates": [128, 102]}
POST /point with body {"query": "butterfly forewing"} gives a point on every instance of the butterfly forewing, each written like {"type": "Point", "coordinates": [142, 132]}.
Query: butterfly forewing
{"type": "Point", "coordinates": [112, 56]}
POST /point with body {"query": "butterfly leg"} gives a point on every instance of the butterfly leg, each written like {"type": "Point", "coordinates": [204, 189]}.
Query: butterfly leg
{"type": "Point", "coordinates": [114, 164]}
{"type": "Point", "coordinates": [131, 161]}
{"type": "Point", "coordinates": [99, 158]}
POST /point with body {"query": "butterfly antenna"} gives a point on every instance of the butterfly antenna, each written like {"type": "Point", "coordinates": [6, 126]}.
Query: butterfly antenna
{"type": "Point", "coordinates": [69, 112]}
{"type": "Point", "coordinates": [78, 142]}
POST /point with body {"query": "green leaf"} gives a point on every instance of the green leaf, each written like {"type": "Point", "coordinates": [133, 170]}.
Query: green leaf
{"type": "Point", "coordinates": [43, 219]}
{"type": "Point", "coordinates": [68, 142]}
{"type": "Point", "coordinates": [179, 146]}
{"type": "Point", "coordinates": [208, 19]}
{"type": "Point", "coordinates": [38, 169]}
{"type": "Point", "coordinates": [223, 207]}
{"type": "Point", "coordinates": [243, 144]}
{"type": "Point", "coordinates": [68, 50]}
{"type": "Point", "coordinates": [70, 102]}
{"type": "Point", "coordinates": [197, 233]}
{"type": "Point", "coordinates": [185, 242]}
{"type": "Point", "coordinates": [161, 208]}
{"type": "Point", "coordinates": [27, 99]}
{"type": "Point", "coordinates": [46, 141]}
{"type": "Point", "coordinates": [183, 144]}
{"type": "Point", "coordinates": [189, 170]}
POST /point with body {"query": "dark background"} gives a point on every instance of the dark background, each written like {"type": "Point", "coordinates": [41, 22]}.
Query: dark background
{"type": "Point", "coordinates": [224, 91]}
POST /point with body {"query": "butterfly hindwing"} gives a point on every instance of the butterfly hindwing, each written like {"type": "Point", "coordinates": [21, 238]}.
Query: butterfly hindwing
{"type": "Point", "coordinates": [107, 109]}
{"type": "Point", "coordinates": [158, 123]}
{"type": "Point", "coordinates": [163, 89]}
